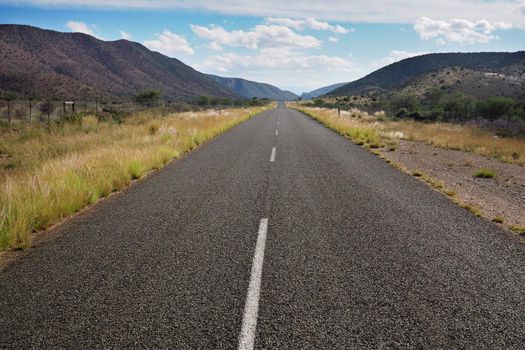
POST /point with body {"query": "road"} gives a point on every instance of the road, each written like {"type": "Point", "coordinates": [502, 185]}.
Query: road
{"type": "Point", "coordinates": [279, 234]}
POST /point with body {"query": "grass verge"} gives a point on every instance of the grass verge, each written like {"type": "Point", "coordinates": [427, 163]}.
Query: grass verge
{"type": "Point", "coordinates": [49, 173]}
{"type": "Point", "coordinates": [378, 131]}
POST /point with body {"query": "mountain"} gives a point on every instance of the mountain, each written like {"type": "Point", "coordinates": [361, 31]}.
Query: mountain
{"type": "Point", "coordinates": [397, 75]}
{"type": "Point", "coordinates": [321, 91]}
{"type": "Point", "coordinates": [507, 81]}
{"type": "Point", "coordinates": [252, 89]}
{"type": "Point", "coordinates": [46, 64]}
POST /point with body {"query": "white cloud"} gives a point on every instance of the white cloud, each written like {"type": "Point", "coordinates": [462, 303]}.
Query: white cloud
{"type": "Point", "coordinates": [169, 44]}
{"type": "Point", "coordinates": [395, 56]}
{"type": "Point", "coordinates": [125, 35]}
{"type": "Point", "coordinates": [214, 46]}
{"type": "Point", "coordinates": [458, 30]}
{"type": "Point", "coordinates": [379, 11]}
{"type": "Point", "coordinates": [312, 23]}
{"type": "Point", "coordinates": [261, 37]}
{"type": "Point", "coordinates": [285, 68]}
{"type": "Point", "coordinates": [81, 27]}
{"type": "Point", "coordinates": [333, 39]}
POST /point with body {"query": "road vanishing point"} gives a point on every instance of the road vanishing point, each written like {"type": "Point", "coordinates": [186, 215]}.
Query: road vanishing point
{"type": "Point", "coordinates": [279, 234]}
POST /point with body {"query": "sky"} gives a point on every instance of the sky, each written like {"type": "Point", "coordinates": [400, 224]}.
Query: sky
{"type": "Point", "coordinates": [295, 45]}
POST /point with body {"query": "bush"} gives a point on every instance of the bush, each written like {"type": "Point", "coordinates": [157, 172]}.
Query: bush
{"type": "Point", "coordinates": [148, 97]}
{"type": "Point", "coordinates": [402, 113]}
{"type": "Point", "coordinates": [485, 173]}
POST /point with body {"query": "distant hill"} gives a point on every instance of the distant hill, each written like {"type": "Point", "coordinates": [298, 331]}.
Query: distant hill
{"type": "Point", "coordinates": [250, 89]}
{"type": "Point", "coordinates": [421, 71]}
{"type": "Point", "coordinates": [321, 91]}
{"type": "Point", "coordinates": [47, 64]}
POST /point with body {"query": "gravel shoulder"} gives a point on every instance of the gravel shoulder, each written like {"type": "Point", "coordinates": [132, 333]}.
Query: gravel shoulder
{"type": "Point", "coordinates": [500, 197]}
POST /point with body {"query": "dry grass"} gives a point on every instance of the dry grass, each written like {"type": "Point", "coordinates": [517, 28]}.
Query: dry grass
{"type": "Point", "coordinates": [354, 124]}
{"type": "Point", "coordinates": [47, 174]}
{"type": "Point", "coordinates": [375, 130]}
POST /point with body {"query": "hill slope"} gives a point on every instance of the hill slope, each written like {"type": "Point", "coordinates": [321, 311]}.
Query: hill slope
{"type": "Point", "coordinates": [252, 89]}
{"type": "Point", "coordinates": [507, 81]}
{"type": "Point", "coordinates": [47, 63]}
{"type": "Point", "coordinates": [398, 74]}
{"type": "Point", "coordinates": [321, 91]}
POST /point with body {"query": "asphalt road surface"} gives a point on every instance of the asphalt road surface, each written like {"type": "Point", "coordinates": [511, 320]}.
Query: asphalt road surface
{"type": "Point", "coordinates": [279, 234]}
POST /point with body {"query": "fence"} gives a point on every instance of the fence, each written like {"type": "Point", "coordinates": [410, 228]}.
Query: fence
{"type": "Point", "coordinates": [41, 110]}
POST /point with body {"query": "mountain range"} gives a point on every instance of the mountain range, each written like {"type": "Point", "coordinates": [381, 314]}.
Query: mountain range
{"type": "Point", "coordinates": [478, 74]}
{"type": "Point", "coordinates": [321, 91]}
{"type": "Point", "coordinates": [250, 89]}
{"type": "Point", "coordinates": [50, 64]}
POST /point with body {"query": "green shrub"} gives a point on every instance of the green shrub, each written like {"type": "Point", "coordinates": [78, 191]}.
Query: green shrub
{"type": "Point", "coordinates": [485, 173]}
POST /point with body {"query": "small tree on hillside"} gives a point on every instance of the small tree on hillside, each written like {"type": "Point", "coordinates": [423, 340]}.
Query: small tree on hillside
{"type": "Point", "coordinates": [148, 97]}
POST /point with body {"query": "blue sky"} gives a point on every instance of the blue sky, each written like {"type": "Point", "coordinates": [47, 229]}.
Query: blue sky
{"type": "Point", "coordinates": [296, 45]}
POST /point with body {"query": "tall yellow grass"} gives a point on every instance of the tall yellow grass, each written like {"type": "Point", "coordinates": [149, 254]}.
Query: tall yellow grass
{"type": "Point", "coordinates": [47, 174]}
{"type": "Point", "coordinates": [375, 130]}
{"type": "Point", "coordinates": [354, 124]}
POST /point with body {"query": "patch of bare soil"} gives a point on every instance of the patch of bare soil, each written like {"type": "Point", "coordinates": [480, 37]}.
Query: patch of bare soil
{"type": "Point", "coordinates": [502, 196]}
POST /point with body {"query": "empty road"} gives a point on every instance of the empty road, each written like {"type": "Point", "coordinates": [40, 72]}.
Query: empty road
{"type": "Point", "coordinates": [279, 234]}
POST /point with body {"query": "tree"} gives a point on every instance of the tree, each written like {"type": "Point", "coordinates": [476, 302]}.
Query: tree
{"type": "Point", "coordinates": [148, 97]}
{"type": "Point", "coordinates": [203, 100]}
{"type": "Point", "coordinates": [497, 107]}
{"type": "Point", "coordinates": [403, 104]}
{"type": "Point", "coordinates": [434, 97]}
{"type": "Point", "coordinates": [459, 106]}
{"type": "Point", "coordinates": [405, 101]}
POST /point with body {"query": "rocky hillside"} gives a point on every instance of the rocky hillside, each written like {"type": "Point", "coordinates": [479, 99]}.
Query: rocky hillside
{"type": "Point", "coordinates": [47, 64]}
{"type": "Point", "coordinates": [488, 73]}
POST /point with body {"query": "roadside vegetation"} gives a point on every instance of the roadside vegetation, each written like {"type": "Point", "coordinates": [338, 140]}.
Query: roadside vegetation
{"type": "Point", "coordinates": [377, 130]}
{"type": "Point", "coordinates": [50, 171]}
{"type": "Point", "coordinates": [435, 105]}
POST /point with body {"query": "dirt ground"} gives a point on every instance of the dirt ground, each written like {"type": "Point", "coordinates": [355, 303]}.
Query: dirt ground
{"type": "Point", "coordinates": [502, 196]}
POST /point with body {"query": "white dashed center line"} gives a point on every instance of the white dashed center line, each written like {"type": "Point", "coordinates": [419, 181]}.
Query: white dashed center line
{"type": "Point", "coordinates": [272, 156]}
{"type": "Point", "coordinates": [251, 308]}
{"type": "Point", "coordinates": [276, 132]}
